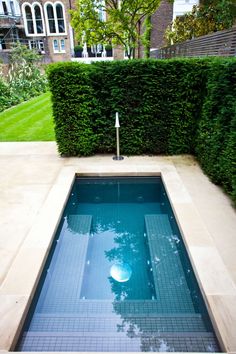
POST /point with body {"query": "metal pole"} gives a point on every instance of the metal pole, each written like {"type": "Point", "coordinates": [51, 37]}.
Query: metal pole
{"type": "Point", "coordinates": [117, 126]}
{"type": "Point", "coordinates": [117, 144]}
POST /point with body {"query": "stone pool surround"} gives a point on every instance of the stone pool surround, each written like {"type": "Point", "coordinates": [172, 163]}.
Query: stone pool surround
{"type": "Point", "coordinates": [34, 185]}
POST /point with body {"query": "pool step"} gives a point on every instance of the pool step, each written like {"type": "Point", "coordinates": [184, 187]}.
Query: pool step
{"type": "Point", "coordinates": [168, 274]}
{"type": "Point", "coordinates": [79, 224]}
{"type": "Point", "coordinates": [115, 323]}
{"type": "Point", "coordinates": [118, 342]}
{"type": "Point", "coordinates": [77, 305]}
{"type": "Point", "coordinates": [64, 279]}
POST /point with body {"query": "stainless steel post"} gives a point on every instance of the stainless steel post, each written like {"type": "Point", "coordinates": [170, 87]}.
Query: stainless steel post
{"type": "Point", "coordinates": [117, 143]}
{"type": "Point", "coordinates": [117, 126]}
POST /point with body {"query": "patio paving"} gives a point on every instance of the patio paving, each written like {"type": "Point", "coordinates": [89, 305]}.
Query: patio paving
{"type": "Point", "coordinates": [30, 173]}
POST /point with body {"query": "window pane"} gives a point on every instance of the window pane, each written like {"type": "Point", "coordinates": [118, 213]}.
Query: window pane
{"type": "Point", "coordinates": [55, 45]}
{"type": "Point", "coordinates": [28, 13]}
{"type": "Point", "coordinates": [29, 19]}
{"type": "Point", "coordinates": [60, 18]}
{"type": "Point", "coordinates": [52, 27]}
{"type": "Point", "coordinates": [32, 44]}
{"type": "Point", "coordinates": [41, 45]}
{"type": "Point", "coordinates": [51, 20]}
{"type": "Point", "coordinates": [39, 26]}
{"type": "Point", "coordinates": [4, 5]}
{"type": "Point", "coordinates": [61, 26]}
{"type": "Point", "coordinates": [62, 45]}
{"type": "Point", "coordinates": [59, 12]}
{"type": "Point", "coordinates": [12, 8]}
{"type": "Point", "coordinates": [37, 12]}
{"type": "Point", "coordinates": [50, 12]}
{"type": "Point", "coordinates": [30, 26]}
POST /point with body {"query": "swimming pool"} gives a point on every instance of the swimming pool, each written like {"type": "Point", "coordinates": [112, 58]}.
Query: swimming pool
{"type": "Point", "coordinates": [118, 277]}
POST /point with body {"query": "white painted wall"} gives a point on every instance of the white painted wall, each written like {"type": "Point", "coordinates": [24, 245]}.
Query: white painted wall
{"type": "Point", "coordinates": [183, 6]}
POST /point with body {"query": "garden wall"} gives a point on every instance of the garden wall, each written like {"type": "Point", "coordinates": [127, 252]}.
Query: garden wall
{"type": "Point", "coordinates": [165, 107]}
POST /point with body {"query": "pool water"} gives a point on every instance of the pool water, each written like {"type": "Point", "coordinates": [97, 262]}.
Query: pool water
{"type": "Point", "coordinates": [118, 277]}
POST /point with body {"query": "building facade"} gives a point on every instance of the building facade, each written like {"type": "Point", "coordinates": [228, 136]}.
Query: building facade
{"type": "Point", "coordinates": [43, 25]}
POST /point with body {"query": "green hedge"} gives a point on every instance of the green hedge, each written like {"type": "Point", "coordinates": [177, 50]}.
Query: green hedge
{"type": "Point", "coordinates": [165, 107]}
{"type": "Point", "coordinates": [216, 136]}
{"type": "Point", "coordinates": [158, 103]}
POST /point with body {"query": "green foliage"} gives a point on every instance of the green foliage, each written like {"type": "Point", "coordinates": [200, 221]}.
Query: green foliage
{"type": "Point", "coordinates": [5, 100]}
{"type": "Point", "coordinates": [146, 39]}
{"type": "Point", "coordinates": [73, 108]}
{"type": "Point", "coordinates": [165, 107]}
{"type": "Point", "coordinates": [122, 25]}
{"type": "Point", "coordinates": [78, 48]}
{"type": "Point", "coordinates": [158, 101]}
{"type": "Point", "coordinates": [25, 78]}
{"type": "Point", "coordinates": [216, 136]}
{"type": "Point", "coordinates": [108, 47]}
{"type": "Point", "coordinates": [210, 16]}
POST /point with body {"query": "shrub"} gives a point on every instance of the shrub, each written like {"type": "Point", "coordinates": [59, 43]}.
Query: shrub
{"type": "Point", "coordinates": [5, 97]}
{"type": "Point", "coordinates": [25, 78]}
{"type": "Point", "coordinates": [78, 48]}
{"type": "Point", "coordinates": [108, 47]}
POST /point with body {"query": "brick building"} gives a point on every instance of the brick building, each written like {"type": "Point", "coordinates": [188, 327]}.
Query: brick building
{"type": "Point", "coordinates": [43, 25]}
{"type": "Point", "coordinates": [160, 21]}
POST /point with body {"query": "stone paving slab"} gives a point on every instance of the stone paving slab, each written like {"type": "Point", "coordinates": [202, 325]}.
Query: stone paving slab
{"type": "Point", "coordinates": [34, 184]}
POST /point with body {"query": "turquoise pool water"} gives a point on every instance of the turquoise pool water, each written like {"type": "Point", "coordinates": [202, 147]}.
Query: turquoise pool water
{"type": "Point", "coordinates": [118, 277]}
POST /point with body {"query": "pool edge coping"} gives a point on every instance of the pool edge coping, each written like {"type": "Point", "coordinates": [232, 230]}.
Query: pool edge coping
{"type": "Point", "coordinates": [180, 200]}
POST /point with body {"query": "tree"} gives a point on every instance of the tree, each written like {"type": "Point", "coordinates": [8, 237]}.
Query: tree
{"type": "Point", "coordinates": [210, 16]}
{"type": "Point", "coordinates": [119, 22]}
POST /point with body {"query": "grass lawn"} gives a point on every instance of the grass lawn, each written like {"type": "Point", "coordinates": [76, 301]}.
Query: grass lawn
{"type": "Point", "coordinates": [28, 121]}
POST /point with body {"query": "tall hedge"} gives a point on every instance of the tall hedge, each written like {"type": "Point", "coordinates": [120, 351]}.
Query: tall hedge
{"type": "Point", "coordinates": [216, 136]}
{"type": "Point", "coordinates": [74, 105]}
{"type": "Point", "coordinates": [165, 106]}
{"type": "Point", "coordinates": [158, 103]}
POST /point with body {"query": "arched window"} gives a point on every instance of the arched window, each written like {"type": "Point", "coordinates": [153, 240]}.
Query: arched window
{"type": "Point", "coordinates": [33, 19]}
{"type": "Point", "coordinates": [51, 19]}
{"type": "Point", "coordinates": [38, 19]}
{"type": "Point", "coordinates": [60, 18]}
{"type": "Point", "coordinates": [55, 16]}
{"type": "Point", "coordinates": [29, 19]}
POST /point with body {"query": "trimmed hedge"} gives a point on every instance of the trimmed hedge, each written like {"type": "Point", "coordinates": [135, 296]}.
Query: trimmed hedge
{"type": "Point", "coordinates": [73, 108]}
{"type": "Point", "coordinates": [165, 107]}
{"type": "Point", "coordinates": [216, 136]}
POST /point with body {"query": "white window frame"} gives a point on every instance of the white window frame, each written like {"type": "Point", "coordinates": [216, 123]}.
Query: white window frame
{"type": "Point", "coordinates": [32, 6]}
{"type": "Point", "coordinates": [59, 41]}
{"type": "Point", "coordinates": [37, 44]}
{"type": "Point", "coordinates": [42, 18]}
{"type": "Point", "coordinates": [57, 33]}
{"type": "Point", "coordinates": [62, 50]}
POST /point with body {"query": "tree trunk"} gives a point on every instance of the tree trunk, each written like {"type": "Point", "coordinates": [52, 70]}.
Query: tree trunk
{"type": "Point", "coordinates": [139, 42]}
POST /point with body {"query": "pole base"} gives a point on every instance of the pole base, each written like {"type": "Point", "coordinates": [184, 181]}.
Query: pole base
{"type": "Point", "coordinates": [118, 158]}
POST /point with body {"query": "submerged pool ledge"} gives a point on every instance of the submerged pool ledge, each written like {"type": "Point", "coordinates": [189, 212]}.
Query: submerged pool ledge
{"type": "Point", "coordinates": [215, 282]}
